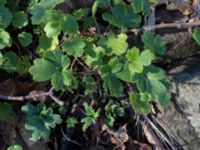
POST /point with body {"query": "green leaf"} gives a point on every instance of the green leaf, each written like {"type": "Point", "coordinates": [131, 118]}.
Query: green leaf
{"type": "Point", "coordinates": [87, 122]}
{"type": "Point", "coordinates": [52, 29]}
{"type": "Point", "coordinates": [5, 40]}
{"type": "Point", "coordinates": [15, 147]}
{"type": "Point", "coordinates": [51, 67]}
{"type": "Point", "coordinates": [119, 111]}
{"type": "Point", "coordinates": [41, 122]}
{"type": "Point", "coordinates": [81, 13]}
{"type": "Point", "coordinates": [103, 3]}
{"type": "Point", "coordinates": [62, 110]}
{"type": "Point", "coordinates": [108, 74]}
{"type": "Point", "coordinates": [90, 111]}
{"type": "Point", "coordinates": [111, 111]}
{"type": "Point", "coordinates": [39, 10]}
{"type": "Point", "coordinates": [155, 73]}
{"type": "Point", "coordinates": [20, 19]}
{"type": "Point", "coordinates": [88, 22]}
{"type": "Point", "coordinates": [159, 91]}
{"type": "Point", "coordinates": [47, 44]}
{"type": "Point", "coordinates": [42, 70]}
{"type": "Point", "coordinates": [115, 43]}
{"type": "Point", "coordinates": [5, 17]}
{"type": "Point", "coordinates": [74, 47]}
{"type": "Point", "coordinates": [12, 63]}
{"type": "Point", "coordinates": [133, 54]}
{"type": "Point", "coordinates": [153, 83]}
{"type": "Point", "coordinates": [116, 2]}
{"type": "Point", "coordinates": [196, 35]}
{"type": "Point", "coordinates": [125, 74]}
{"type": "Point", "coordinates": [141, 6]}
{"type": "Point", "coordinates": [155, 44]}
{"type": "Point", "coordinates": [23, 65]}
{"type": "Point", "coordinates": [25, 38]}
{"type": "Point", "coordinates": [54, 24]}
{"type": "Point", "coordinates": [110, 119]}
{"type": "Point", "coordinates": [94, 55]}
{"type": "Point", "coordinates": [114, 65]}
{"type": "Point", "coordinates": [141, 106]}
{"type": "Point", "coordinates": [90, 85]}
{"type": "Point", "coordinates": [136, 66]}
{"type": "Point", "coordinates": [154, 1]}
{"type": "Point", "coordinates": [113, 84]}
{"type": "Point", "coordinates": [61, 80]}
{"type": "Point", "coordinates": [91, 117]}
{"type": "Point", "coordinates": [71, 122]}
{"type": "Point", "coordinates": [99, 4]}
{"type": "Point", "coordinates": [138, 61]}
{"type": "Point", "coordinates": [94, 8]}
{"type": "Point", "coordinates": [1, 58]}
{"type": "Point", "coordinates": [3, 2]}
{"type": "Point", "coordinates": [29, 109]}
{"type": "Point", "coordinates": [122, 17]}
{"type": "Point", "coordinates": [70, 25]}
{"type": "Point", "coordinates": [38, 14]}
{"type": "Point", "coordinates": [146, 57]}
{"type": "Point", "coordinates": [5, 111]}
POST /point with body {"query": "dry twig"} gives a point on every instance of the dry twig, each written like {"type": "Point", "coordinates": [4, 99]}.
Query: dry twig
{"type": "Point", "coordinates": [29, 97]}
{"type": "Point", "coordinates": [178, 25]}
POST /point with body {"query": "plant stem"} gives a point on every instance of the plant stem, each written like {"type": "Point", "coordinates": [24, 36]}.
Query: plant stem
{"type": "Point", "coordinates": [29, 97]}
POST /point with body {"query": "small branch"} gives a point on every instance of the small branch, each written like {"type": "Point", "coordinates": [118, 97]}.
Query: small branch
{"type": "Point", "coordinates": [23, 98]}
{"type": "Point", "coordinates": [68, 139]}
{"type": "Point", "coordinates": [29, 97]}
{"type": "Point", "coordinates": [72, 64]}
{"type": "Point", "coordinates": [178, 25]}
{"type": "Point", "coordinates": [55, 99]}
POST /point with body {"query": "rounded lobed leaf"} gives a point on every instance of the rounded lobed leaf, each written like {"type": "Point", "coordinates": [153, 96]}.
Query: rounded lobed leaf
{"type": "Point", "coordinates": [20, 19]}
{"type": "Point", "coordinates": [25, 38]}
{"type": "Point", "coordinates": [5, 17]}
{"type": "Point", "coordinates": [5, 39]}
{"type": "Point", "coordinates": [42, 70]}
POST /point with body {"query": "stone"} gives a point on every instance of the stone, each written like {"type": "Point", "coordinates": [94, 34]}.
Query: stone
{"type": "Point", "coordinates": [183, 115]}
{"type": "Point", "coordinates": [180, 45]}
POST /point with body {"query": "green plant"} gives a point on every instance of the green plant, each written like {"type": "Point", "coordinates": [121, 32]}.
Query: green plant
{"type": "Point", "coordinates": [40, 120]}
{"type": "Point", "coordinates": [25, 38]}
{"type": "Point", "coordinates": [53, 66]}
{"type": "Point", "coordinates": [15, 147]}
{"type": "Point", "coordinates": [91, 117]}
{"type": "Point", "coordinates": [196, 35]}
{"type": "Point", "coordinates": [89, 84]}
{"type": "Point", "coordinates": [71, 122]}
{"type": "Point", "coordinates": [122, 17]}
{"type": "Point", "coordinates": [5, 111]}
{"type": "Point", "coordinates": [112, 111]}
{"type": "Point", "coordinates": [68, 50]}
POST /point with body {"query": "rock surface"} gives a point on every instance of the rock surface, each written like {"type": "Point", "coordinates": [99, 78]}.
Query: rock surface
{"type": "Point", "coordinates": [180, 45]}
{"type": "Point", "coordinates": [183, 114]}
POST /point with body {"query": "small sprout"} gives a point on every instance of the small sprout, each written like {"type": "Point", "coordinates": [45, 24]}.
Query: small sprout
{"type": "Point", "coordinates": [91, 117]}
{"type": "Point", "coordinates": [71, 122]}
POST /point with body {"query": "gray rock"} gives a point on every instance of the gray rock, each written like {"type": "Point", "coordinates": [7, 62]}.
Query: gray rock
{"type": "Point", "coordinates": [180, 45]}
{"type": "Point", "coordinates": [183, 116]}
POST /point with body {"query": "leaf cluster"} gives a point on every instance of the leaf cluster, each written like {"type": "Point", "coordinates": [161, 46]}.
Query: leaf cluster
{"type": "Point", "coordinates": [40, 120]}
{"type": "Point", "coordinates": [91, 116]}
{"type": "Point", "coordinates": [69, 52]}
